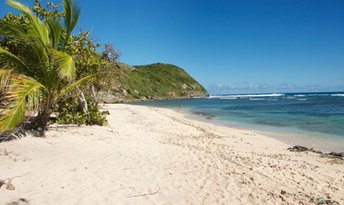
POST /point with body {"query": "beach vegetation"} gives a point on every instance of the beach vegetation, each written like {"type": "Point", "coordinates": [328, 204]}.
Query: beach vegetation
{"type": "Point", "coordinates": [69, 112]}
{"type": "Point", "coordinates": [41, 61]}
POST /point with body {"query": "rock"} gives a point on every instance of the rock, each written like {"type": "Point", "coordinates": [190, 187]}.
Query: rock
{"type": "Point", "coordinates": [171, 94]}
{"type": "Point", "coordinates": [209, 117]}
{"type": "Point", "coordinates": [298, 148]}
{"type": "Point", "coordinates": [184, 86]}
{"type": "Point", "coordinates": [10, 186]}
{"type": "Point", "coordinates": [337, 154]}
{"type": "Point", "coordinates": [1, 183]}
{"type": "Point", "coordinates": [125, 92]}
{"type": "Point", "coordinates": [283, 192]}
{"type": "Point", "coordinates": [316, 151]}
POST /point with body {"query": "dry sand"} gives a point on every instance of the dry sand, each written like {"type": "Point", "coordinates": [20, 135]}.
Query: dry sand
{"type": "Point", "coordinates": [158, 156]}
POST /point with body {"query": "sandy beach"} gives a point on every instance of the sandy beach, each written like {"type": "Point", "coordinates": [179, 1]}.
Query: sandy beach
{"type": "Point", "coordinates": [158, 156]}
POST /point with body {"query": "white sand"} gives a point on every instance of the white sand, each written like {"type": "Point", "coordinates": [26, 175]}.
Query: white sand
{"type": "Point", "coordinates": [157, 156]}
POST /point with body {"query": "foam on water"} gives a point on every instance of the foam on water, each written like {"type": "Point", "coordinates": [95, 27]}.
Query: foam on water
{"type": "Point", "coordinates": [338, 95]}
{"type": "Point", "coordinates": [230, 97]}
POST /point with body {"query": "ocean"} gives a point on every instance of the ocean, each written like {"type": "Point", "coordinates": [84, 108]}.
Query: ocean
{"type": "Point", "coordinates": [310, 119]}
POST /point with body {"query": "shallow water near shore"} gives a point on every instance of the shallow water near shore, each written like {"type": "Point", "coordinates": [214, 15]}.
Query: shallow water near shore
{"type": "Point", "coordinates": [310, 119]}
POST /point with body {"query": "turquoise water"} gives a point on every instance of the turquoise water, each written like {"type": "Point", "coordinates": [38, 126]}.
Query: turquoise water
{"type": "Point", "coordinates": [313, 119]}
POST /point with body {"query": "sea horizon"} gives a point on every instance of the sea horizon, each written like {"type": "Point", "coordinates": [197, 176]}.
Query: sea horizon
{"type": "Point", "coordinates": [279, 92]}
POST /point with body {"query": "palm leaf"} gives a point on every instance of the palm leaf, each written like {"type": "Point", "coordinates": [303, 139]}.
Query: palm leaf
{"type": "Point", "coordinates": [24, 62]}
{"type": "Point", "coordinates": [36, 26]}
{"type": "Point", "coordinates": [23, 94]}
{"type": "Point", "coordinates": [88, 80]}
{"type": "Point", "coordinates": [5, 76]}
{"type": "Point", "coordinates": [28, 44]}
{"type": "Point", "coordinates": [65, 65]}
{"type": "Point", "coordinates": [55, 31]}
{"type": "Point", "coordinates": [81, 82]}
{"type": "Point", "coordinates": [15, 32]}
{"type": "Point", "coordinates": [8, 57]}
{"type": "Point", "coordinates": [72, 13]}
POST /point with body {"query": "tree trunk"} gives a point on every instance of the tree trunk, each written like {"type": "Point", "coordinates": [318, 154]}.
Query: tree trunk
{"type": "Point", "coordinates": [40, 122]}
{"type": "Point", "coordinates": [82, 101]}
{"type": "Point", "coordinates": [94, 95]}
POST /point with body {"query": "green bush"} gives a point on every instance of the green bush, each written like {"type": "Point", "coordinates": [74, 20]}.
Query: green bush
{"type": "Point", "coordinates": [69, 111]}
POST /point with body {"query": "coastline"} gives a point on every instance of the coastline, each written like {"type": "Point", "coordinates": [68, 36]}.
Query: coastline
{"type": "Point", "coordinates": [293, 135]}
{"type": "Point", "coordinates": [123, 100]}
{"type": "Point", "coordinates": [159, 156]}
{"type": "Point", "coordinates": [322, 142]}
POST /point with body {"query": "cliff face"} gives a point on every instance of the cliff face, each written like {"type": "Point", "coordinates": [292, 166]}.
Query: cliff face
{"type": "Point", "coordinates": [154, 81]}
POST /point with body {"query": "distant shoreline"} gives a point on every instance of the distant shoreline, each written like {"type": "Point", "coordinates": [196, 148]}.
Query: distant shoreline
{"type": "Point", "coordinates": [152, 99]}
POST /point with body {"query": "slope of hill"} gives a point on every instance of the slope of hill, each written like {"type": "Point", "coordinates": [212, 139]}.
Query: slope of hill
{"type": "Point", "coordinates": [154, 81]}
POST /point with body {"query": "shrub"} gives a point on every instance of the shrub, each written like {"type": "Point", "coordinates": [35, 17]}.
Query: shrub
{"type": "Point", "coordinates": [69, 112]}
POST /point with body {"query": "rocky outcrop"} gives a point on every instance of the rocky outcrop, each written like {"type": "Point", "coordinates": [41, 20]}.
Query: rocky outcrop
{"type": "Point", "coordinates": [299, 148]}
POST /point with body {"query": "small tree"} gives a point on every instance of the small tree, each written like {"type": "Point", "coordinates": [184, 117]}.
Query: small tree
{"type": "Point", "coordinates": [38, 69]}
{"type": "Point", "coordinates": [111, 54]}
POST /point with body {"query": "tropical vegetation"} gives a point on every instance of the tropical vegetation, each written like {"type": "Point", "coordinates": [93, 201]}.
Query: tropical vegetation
{"type": "Point", "coordinates": [46, 67]}
{"type": "Point", "coordinates": [39, 60]}
{"type": "Point", "coordinates": [154, 81]}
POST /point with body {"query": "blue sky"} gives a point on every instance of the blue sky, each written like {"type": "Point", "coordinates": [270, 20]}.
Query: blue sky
{"type": "Point", "coordinates": [239, 46]}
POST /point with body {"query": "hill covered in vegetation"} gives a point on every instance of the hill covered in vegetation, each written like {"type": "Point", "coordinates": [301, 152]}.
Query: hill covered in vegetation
{"type": "Point", "coordinates": [154, 81]}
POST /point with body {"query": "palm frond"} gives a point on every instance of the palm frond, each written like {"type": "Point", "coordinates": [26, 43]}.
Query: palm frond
{"type": "Point", "coordinates": [72, 13]}
{"type": "Point", "coordinates": [55, 31]}
{"type": "Point", "coordinates": [8, 57]}
{"type": "Point", "coordinates": [5, 76]}
{"type": "Point", "coordinates": [65, 65]}
{"type": "Point", "coordinates": [28, 44]}
{"type": "Point", "coordinates": [79, 83]}
{"type": "Point", "coordinates": [14, 32]}
{"type": "Point", "coordinates": [88, 80]}
{"type": "Point", "coordinates": [13, 135]}
{"type": "Point", "coordinates": [23, 94]}
{"type": "Point", "coordinates": [36, 26]}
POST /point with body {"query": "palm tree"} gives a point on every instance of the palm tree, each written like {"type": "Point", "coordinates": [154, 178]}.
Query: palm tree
{"type": "Point", "coordinates": [39, 70]}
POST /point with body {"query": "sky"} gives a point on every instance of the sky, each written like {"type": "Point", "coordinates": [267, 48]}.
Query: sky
{"type": "Point", "coordinates": [228, 46]}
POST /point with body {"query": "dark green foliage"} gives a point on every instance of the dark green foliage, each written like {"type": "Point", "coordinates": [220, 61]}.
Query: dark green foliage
{"type": "Point", "coordinates": [69, 112]}
{"type": "Point", "coordinates": [161, 81]}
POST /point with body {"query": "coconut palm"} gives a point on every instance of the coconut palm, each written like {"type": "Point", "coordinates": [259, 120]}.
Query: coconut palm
{"type": "Point", "coordinates": [38, 70]}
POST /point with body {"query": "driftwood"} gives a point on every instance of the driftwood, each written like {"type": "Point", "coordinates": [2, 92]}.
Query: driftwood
{"type": "Point", "coordinates": [9, 185]}
{"type": "Point", "coordinates": [146, 194]}
{"type": "Point", "coordinates": [82, 101]}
